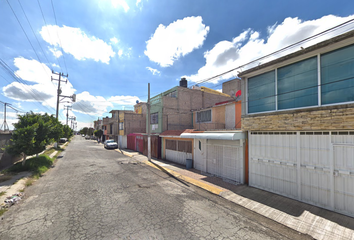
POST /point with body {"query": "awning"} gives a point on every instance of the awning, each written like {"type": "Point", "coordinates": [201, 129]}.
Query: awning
{"type": "Point", "coordinates": [216, 136]}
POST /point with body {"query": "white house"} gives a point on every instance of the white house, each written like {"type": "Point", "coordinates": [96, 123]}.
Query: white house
{"type": "Point", "coordinates": [298, 112]}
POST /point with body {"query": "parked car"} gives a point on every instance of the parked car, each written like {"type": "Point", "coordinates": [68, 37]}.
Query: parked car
{"type": "Point", "coordinates": [87, 137]}
{"type": "Point", "coordinates": [83, 135]}
{"type": "Point", "coordinates": [63, 140]}
{"type": "Point", "coordinates": [110, 143]}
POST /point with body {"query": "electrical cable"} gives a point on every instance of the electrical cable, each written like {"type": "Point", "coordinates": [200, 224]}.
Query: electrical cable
{"type": "Point", "coordinates": [45, 22]}
{"type": "Point", "coordinates": [25, 34]}
{"type": "Point", "coordinates": [61, 46]}
{"type": "Point", "coordinates": [278, 51]}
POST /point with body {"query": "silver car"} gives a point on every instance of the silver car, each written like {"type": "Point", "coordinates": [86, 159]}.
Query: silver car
{"type": "Point", "coordinates": [110, 143]}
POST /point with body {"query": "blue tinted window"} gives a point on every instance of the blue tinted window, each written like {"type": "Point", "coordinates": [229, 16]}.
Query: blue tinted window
{"type": "Point", "coordinates": [297, 84]}
{"type": "Point", "coordinates": [261, 93]}
{"type": "Point", "coordinates": [337, 76]}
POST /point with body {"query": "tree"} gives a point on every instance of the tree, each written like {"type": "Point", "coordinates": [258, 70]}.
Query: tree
{"type": "Point", "coordinates": [67, 132]}
{"type": "Point", "coordinates": [84, 131]}
{"type": "Point", "coordinates": [24, 137]}
{"type": "Point", "coordinates": [33, 132]}
{"type": "Point", "coordinates": [98, 133]}
{"type": "Point", "coordinates": [55, 127]}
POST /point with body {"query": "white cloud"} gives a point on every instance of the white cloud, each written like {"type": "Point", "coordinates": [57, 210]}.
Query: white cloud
{"type": "Point", "coordinates": [248, 46]}
{"type": "Point", "coordinates": [57, 53]}
{"type": "Point", "coordinates": [121, 3]}
{"type": "Point", "coordinates": [75, 42]}
{"type": "Point", "coordinates": [153, 71]}
{"type": "Point", "coordinates": [178, 39]}
{"type": "Point", "coordinates": [124, 100]}
{"type": "Point", "coordinates": [55, 65]}
{"type": "Point", "coordinates": [120, 52]}
{"type": "Point", "coordinates": [114, 40]}
{"type": "Point", "coordinates": [39, 87]}
{"type": "Point", "coordinates": [137, 2]}
{"type": "Point", "coordinates": [92, 105]}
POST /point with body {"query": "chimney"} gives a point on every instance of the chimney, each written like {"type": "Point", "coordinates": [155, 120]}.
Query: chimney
{"type": "Point", "coordinates": [183, 83]}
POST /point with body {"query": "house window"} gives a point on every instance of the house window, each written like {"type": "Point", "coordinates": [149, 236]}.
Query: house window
{"type": "Point", "coordinates": [110, 128]}
{"type": "Point", "coordinates": [261, 93]}
{"type": "Point", "coordinates": [337, 76]}
{"type": "Point", "coordinates": [172, 94]}
{"type": "Point", "coordinates": [121, 126]}
{"type": "Point", "coordinates": [154, 118]}
{"type": "Point", "coordinates": [297, 84]}
{"type": "Point", "coordinates": [204, 116]}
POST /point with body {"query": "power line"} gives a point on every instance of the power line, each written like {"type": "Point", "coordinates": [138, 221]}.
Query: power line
{"type": "Point", "coordinates": [45, 22]}
{"type": "Point", "coordinates": [19, 80]}
{"type": "Point", "coordinates": [25, 34]}
{"type": "Point", "coordinates": [45, 55]}
{"type": "Point", "coordinates": [61, 46]}
{"type": "Point", "coordinates": [279, 51]}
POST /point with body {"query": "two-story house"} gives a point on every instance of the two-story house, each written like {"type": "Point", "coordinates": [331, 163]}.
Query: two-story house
{"type": "Point", "coordinates": [130, 122]}
{"type": "Point", "coordinates": [298, 111]}
{"type": "Point", "coordinates": [219, 144]}
{"type": "Point", "coordinates": [172, 111]}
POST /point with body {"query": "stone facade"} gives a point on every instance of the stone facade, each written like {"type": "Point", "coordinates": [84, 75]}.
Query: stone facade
{"type": "Point", "coordinates": [339, 117]}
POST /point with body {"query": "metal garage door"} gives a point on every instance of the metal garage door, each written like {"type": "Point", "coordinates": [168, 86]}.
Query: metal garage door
{"type": "Point", "coordinates": [313, 167]}
{"type": "Point", "coordinates": [225, 159]}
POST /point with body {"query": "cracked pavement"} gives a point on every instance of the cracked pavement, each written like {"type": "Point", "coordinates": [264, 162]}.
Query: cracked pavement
{"type": "Point", "coordinates": [93, 193]}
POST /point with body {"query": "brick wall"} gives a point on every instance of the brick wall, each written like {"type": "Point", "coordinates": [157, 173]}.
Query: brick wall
{"type": "Point", "coordinates": [339, 117]}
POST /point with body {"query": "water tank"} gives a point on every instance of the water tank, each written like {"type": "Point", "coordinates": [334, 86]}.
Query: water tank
{"type": "Point", "coordinates": [183, 82]}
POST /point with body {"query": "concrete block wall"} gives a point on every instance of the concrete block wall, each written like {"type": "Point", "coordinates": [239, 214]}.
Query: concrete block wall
{"type": "Point", "coordinates": [339, 117]}
{"type": "Point", "coordinates": [134, 123]}
{"type": "Point", "coordinates": [231, 86]}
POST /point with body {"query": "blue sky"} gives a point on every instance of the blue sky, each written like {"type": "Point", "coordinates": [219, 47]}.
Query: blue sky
{"type": "Point", "coordinates": [112, 49]}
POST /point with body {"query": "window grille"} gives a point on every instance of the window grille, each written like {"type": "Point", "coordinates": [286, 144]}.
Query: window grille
{"type": "Point", "coordinates": [204, 116]}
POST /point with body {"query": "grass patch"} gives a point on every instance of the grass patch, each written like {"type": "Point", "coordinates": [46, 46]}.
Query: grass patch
{"type": "Point", "coordinates": [29, 182]}
{"type": "Point", "coordinates": [2, 211]}
{"type": "Point", "coordinates": [37, 165]}
{"type": "Point", "coordinates": [53, 149]}
{"type": "Point", "coordinates": [2, 193]}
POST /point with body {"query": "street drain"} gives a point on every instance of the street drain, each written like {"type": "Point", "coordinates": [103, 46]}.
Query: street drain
{"type": "Point", "coordinates": [143, 186]}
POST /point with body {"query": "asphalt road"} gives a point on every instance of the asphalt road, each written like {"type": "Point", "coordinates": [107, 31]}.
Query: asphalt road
{"type": "Point", "coordinates": [93, 193]}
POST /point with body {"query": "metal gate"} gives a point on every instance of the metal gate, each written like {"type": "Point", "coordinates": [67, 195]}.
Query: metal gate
{"type": "Point", "coordinates": [313, 167]}
{"type": "Point", "coordinates": [225, 159]}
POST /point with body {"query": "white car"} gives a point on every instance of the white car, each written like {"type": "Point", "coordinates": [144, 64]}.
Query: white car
{"type": "Point", "coordinates": [110, 143]}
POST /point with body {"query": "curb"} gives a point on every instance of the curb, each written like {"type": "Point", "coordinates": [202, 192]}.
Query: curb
{"type": "Point", "coordinates": [208, 187]}
{"type": "Point", "coordinates": [307, 223]}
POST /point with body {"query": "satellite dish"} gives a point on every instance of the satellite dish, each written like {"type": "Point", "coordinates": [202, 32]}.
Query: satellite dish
{"type": "Point", "coordinates": [232, 93]}
{"type": "Point", "coordinates": [137, 101]}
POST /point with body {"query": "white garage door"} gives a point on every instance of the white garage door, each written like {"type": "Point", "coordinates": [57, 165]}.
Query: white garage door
{"type": "Point", "coordinates": [225, 159]}
{"type": "Point", "coordinates": [313, 167]}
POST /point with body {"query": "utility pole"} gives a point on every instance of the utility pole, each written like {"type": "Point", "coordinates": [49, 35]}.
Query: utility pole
{"type": "Point", "coordinates": [118, 130]}
{"type": "Point", "coordinates": [59, 90]}
{"type": "Point", "coordinates": [6, 127]}
{"type": "Point", "coordinates": [4, 124]}
{"type": "Point", "coordinates": [67, 108]}
{"type": "Point", "coordinates": [149, 137]}
{"type": "Point", "coordinates": [72, 124]}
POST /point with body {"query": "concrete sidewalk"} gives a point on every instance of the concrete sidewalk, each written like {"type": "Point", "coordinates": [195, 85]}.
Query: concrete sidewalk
{"type": "Point", "coordinates": [314, 221]}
